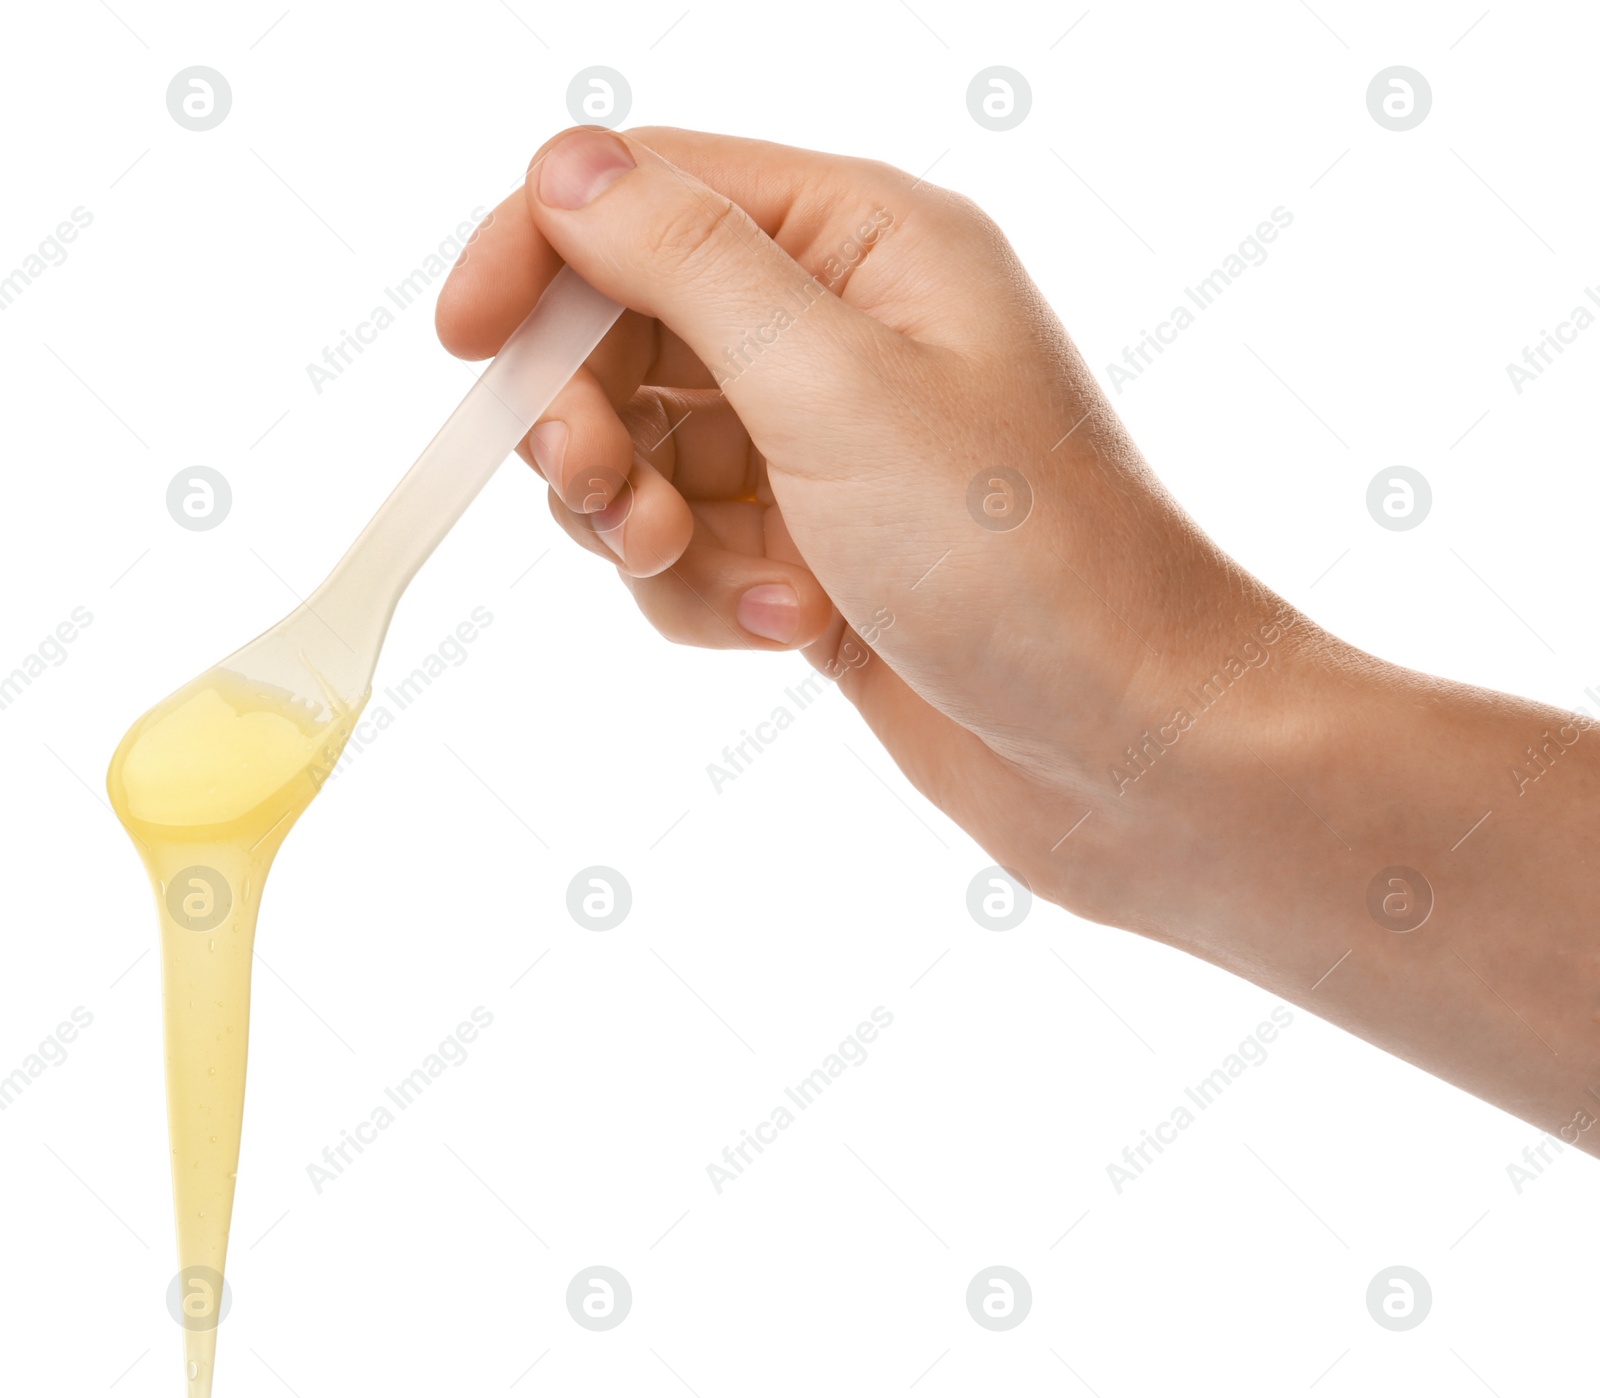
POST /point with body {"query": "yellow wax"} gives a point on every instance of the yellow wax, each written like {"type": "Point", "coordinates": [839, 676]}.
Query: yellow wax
{"type": "Point", "coordinates": [208, 783]}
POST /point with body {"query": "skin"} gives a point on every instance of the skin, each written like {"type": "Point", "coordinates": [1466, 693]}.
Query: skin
{"type": "Point", "coordinates": [812, 493]}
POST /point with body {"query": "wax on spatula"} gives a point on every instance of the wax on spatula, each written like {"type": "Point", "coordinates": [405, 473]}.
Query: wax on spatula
{"type": "Point", "coordinates": [210, 781]}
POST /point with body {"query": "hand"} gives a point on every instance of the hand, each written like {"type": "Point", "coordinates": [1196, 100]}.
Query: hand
{"type": "Point", "coordinates": [839, 417]}
{"type": "Point", "coordinates": [792, 440]}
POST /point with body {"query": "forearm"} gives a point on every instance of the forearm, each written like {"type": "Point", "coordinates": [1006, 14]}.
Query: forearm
{"type": "Point", "coordinates": [1257, 841]}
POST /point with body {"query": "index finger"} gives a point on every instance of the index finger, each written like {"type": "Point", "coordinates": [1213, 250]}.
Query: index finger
{"type": "Point", "coordinates": [819, 208]}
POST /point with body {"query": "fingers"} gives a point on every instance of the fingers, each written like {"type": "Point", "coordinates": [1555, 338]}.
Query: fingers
{"type": "Point", "coordinates": [503, 272]}
{"type": "Point", "coordinates": [940, 271]}
{"type": "Point", "coordinates": [950, 275]}
{"type": "Point", "coordinates": [722, 572]}
{"type": "Point", "coordinates": [803, 377]}
{"type": "Point", "coordinates": [661, 241]}
{"type": "Point", "coordinates": [644, 528]}
{"type": "Point", "coordinates": [729, 598]}
{"type": "Point", "coordinates": [580, 445]}
{"type": "Point", "coordinates": [815, 206]}
{"type": "Point", "coordinates": [807, 201]}
{"type": "Point", "coordinates": [495, 282]}
{"type": "Point", "coordinates": [585, 450]}
{"type": "Point", "coordinates": [717, 574]}
{"type": "Point", "coordinates": [695, 439]}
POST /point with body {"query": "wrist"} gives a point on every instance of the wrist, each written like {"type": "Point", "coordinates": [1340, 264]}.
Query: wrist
{"type": "Point", "coordinates": [1370, 843]}
{"type": "Point", "coordinates": [1205, 764]}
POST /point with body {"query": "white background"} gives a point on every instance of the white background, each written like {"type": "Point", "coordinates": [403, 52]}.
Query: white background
{"type": "Point", "coordinates": [817, 885]}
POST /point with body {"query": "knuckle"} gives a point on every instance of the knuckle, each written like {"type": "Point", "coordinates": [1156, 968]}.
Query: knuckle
{"type": "Point", "coordinates": [646, 419]}
{"type": "Point", "coordinates": [946, 208]}
{"type": "Point", "coordinates": [881, 173]}
{"type": "Point", "coordinates": [686, 239]}
{"type": "Point", "coordinates": [965, 213]}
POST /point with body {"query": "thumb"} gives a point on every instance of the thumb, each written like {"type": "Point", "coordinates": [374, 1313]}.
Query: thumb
{"type": "Point", "coordinates": [659, 240]}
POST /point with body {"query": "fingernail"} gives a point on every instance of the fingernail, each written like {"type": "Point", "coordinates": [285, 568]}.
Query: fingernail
{"type": "Point", "coordinates": [771, 610]}
{"type": "Point", "coordinates": [548, 442]}
{"type": "Point", "coordinates": [581, 165]}
{"type": "Point", "coordinates": [607, 523]}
